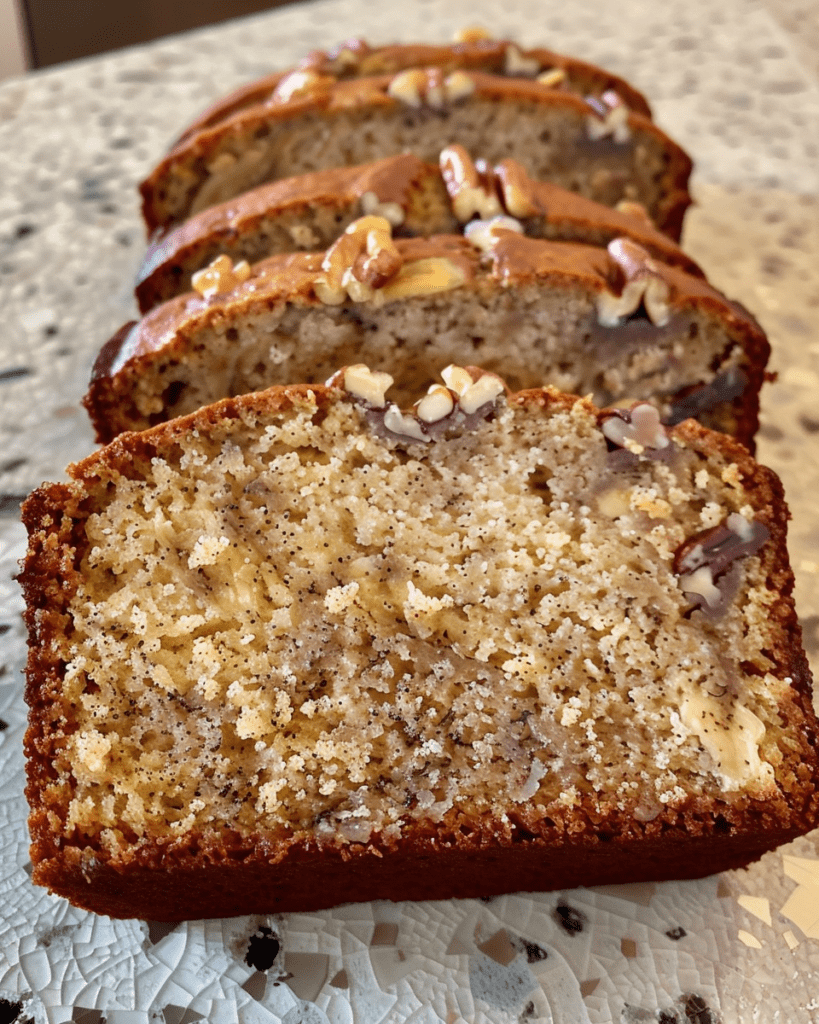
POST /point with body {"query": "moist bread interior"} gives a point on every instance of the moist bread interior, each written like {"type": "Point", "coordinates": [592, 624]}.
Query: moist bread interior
{"type": "Point", "coordinates": [531, 335]}
{"type": "Point", "coordinates": [300, 624]}
{"type": "Point", "coordinates": [551, 144]}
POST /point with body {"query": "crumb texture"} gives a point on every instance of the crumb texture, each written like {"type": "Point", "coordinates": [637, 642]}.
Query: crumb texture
{"type": "Point", "coordinates": [301, 625]}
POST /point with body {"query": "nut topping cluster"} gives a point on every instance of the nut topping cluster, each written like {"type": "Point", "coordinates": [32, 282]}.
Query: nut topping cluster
{"type": "Point", "coordinates": [474, 387]}
{"type": "Point", "coordinates": [635, 429]}
{"type": "Point", "coordinates": [220, 276]}
{"type": "Point", "coordinates": [610, 118]}
{"type": "Point", "coordinates": [476, 189]}
{"type": "Point", "coordinates": [642, 283]}
{"type": "Point", "coordinates": [362, 259]}
{"type": "Point", "coordinates": [705, 562]}
{"type": "Point", "coordinates": [361, 382]}
{"type": "Point", "coordinates": [470, 184]}
{"type": "Point", "coordinates": [365, 265]}
{"type": "Point", "coordinates": [467, 395]}
{"type": "Point", "coordinates": [429, 86]}
{"type": "Point", "coordinates": [345, 59]}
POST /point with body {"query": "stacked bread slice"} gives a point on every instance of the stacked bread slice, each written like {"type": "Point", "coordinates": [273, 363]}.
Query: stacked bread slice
{"type": "Point", "coordinates": [295, 642]}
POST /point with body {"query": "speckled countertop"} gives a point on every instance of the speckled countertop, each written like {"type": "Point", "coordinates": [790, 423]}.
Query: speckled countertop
{"type": "Point", "coordinates": [738, 85]}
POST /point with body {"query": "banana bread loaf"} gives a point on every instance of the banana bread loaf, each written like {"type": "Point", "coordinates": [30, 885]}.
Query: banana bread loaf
{"type": "Point", "coordinates": [596, 148]}
{"type": "Point", "coordinates": [302, 648]}
{"type": "Point", "coordinates": [612, 324]}
{"type": "Point", "coordinates": [419, 199]}
{"type": "Point", "coordinates": [354, 58]}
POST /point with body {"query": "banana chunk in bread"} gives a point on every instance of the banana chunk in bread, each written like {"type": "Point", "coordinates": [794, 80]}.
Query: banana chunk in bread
{"type": "Point", "coordinates": [612, 323]}
{"type": "Point", "coordinates": [305, 647]}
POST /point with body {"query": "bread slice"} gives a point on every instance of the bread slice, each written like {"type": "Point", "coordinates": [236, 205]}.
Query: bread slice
{"type": "Point", "coordinates": [302, 648]}
{"type": "Point", "coordinates": [312, 210]}
{"type": "Point", "coordinates": [354, 58]}
{"type": "Point", "coordinates": [615, 324]}
{"type": "Point", "coordinates": [603, 152]}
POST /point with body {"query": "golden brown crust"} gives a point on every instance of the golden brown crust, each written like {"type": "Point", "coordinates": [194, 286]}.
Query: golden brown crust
{"type": "Point", "coordinates": [188, 161]}
{"type": "Point", "coordinates": [480, 55]}
{"type": "Point", "coordinates": [232, 227]}
{"type": "Point", "coordinates": [224, 873]}
{"type": "Point", "coordinates": [169, 330]}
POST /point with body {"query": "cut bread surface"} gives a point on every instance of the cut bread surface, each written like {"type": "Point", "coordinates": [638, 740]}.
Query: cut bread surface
{"type": "Point", "coordinates": [558, 136]}
{"type": "Point", "coordinates": [355, 58]}
{"type": "Point", "coordinates": [310, 211]}
{"type": "Point", "coordinates": [538, 312]}
{"type": "Point", "coordinates": [304, 621]}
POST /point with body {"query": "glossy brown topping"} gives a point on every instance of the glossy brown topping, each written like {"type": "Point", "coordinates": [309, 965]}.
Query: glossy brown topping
{"type": "Point", "coordinates": [346, 58]}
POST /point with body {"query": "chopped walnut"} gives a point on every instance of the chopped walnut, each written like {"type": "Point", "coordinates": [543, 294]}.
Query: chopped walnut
{"type": "Point", "coordinates": [483, 234]}
{"type": "Point", "coordinates": [345, 58]}
{"type": "Point", "coordinates": [436, 405]}
{"type": "Point", "coordinates": [300, 84]}
{"type": "Point", "coordinates": [406, 424]}
{"type": "Point", "coordinates": [361, 382]}
{"type": "Point", "coordinates": [470, 395]}
{"type": "Point", "coordinates": [471, 34]}
{"type": "Point", "coordinates": [610, 118]}
{"type": "Point", "coordinates": [418, 86]}
{"type": "Point", "coordinates": [516, 64]}
{"type": "Point", "coordinates": [705, 563]}
{"type": "Point", "coordinates": [362, 260]}
{"type": "Point", "coordinates": [552, 78]}
{"type": "Point", "coordinates": [473, 391]}
{"type": "Point", "coordinates": [516, 189]}
{"type": "Point", "coordinates": [458, 86]}
{"type": "Point", "coordinates": [471, 186]}
{"type": "Point", "coordinates": [303, 236]}
{"type": "Point", "coordinates": [642, 283]}
{"type": "Point", "coordinates": [220, 276]}
{"type": "Point", "coordinates": [636, 428]}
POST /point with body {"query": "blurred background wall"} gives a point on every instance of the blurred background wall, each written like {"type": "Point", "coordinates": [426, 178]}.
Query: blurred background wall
{"type": "Point", "coordinates": [39, 33]}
